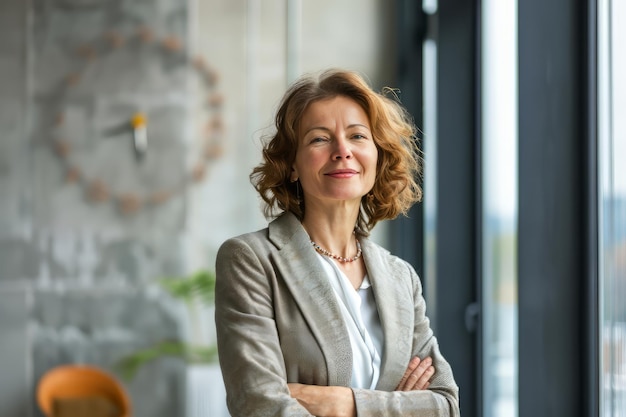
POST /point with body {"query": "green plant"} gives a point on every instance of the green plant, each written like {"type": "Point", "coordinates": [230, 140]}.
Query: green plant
{"type": "Point", "coordinates": [194, 290]}
{"type": "Point", "coordinates": [197, 286]}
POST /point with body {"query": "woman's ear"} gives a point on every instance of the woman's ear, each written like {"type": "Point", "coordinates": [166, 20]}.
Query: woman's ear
{"type": "Point", "coordinates": [294, 175]}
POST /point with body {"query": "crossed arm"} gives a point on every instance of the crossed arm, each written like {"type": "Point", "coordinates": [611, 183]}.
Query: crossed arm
{"type": "Point", "coordinates": [324, 401]}
{"type": "Point", "coordinates": [254, 367]}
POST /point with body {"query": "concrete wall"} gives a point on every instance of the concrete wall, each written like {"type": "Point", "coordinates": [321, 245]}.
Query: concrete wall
{"type": "Point", "coordinates": [76, 277]}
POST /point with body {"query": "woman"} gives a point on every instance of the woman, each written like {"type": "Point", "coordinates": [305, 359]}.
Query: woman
{"type": "Point", "coordinates": [312, 317]}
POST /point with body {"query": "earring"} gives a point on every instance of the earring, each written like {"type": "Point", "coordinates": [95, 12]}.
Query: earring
{"type": "Point", "coordinates": [298, 191]}
{"type": "Point", "coordinates": [297, 181]}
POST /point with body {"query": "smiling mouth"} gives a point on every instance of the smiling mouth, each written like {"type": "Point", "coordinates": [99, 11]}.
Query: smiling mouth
{"type": "Point", "coordinates": [342, 173]}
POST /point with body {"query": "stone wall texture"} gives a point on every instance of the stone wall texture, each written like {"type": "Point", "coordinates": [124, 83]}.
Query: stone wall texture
{"type": "Point", "coordinates": [86, 227]}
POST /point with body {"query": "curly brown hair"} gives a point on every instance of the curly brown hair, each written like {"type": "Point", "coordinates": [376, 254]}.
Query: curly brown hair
{"type": "Point", "coordinates": [399, 162]}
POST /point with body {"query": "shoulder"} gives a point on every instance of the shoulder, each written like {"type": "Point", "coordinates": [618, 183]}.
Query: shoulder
{"type": "Point", "coordinates": [251, 241]}
{"type": "Point", "coordinates": [243, 260]}
{"type": "Point", "coordinates": [262, 242]}
{"type": "Point", "coordinates": [389, 268]}
{"type": "Point", "coordinates": [384, 257]}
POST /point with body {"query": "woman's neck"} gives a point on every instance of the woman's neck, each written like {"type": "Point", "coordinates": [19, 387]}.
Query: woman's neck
{"type": "Point", "coordinates": [333, 230]}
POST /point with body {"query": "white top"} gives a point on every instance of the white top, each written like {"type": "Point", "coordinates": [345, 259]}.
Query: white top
{"type": "Point", "coordinates": [361, 317]}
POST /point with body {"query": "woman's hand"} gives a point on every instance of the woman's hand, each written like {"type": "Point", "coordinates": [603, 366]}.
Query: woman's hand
{"type": "Point", "coordinates": [417, 375]}
{"type": "Point", "coordinates": [324, 401]}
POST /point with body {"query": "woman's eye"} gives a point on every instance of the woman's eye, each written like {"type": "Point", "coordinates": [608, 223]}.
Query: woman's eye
{"type": "Point", "coordinates": [318, 139]}
{"type": "Point", "coordinates": [359, 136]}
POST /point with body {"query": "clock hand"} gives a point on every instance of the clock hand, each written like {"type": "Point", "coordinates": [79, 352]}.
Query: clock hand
{"type": "Point", "coordinates": [140, 134]}
{"type": "Point", "coordinates": [116, 130]}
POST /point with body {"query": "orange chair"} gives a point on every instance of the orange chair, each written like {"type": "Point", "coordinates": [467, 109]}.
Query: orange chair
{"type": "Point", "coordinates": [76, 383]}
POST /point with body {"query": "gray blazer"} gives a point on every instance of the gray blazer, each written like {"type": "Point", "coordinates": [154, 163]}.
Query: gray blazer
{"type": "Point", "coordinates": [278, 321]}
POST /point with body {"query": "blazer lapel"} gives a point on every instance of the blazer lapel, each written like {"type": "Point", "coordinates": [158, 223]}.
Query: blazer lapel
{"type": "Point", "coordinates": [395, 311]}
{"type": "Point", "coordinates": [298, 264]}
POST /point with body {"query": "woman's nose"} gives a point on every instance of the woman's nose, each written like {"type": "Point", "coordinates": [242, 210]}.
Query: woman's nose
{"type": "Point", "coordinates": [342, 150]}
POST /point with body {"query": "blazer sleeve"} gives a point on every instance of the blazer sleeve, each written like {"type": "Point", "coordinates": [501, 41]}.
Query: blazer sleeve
{"type": "Point", "coordinates": [248, 344]}
{"type": "Point", "coordinates": [441, 399]}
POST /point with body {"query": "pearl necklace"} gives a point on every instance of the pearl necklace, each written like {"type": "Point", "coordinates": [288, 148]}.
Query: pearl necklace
{"type": "Point", "coordinates": [339, 258]}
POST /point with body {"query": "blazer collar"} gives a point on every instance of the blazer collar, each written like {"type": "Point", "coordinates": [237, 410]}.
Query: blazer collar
{"type": "Point", "coordinates": [304, 276]}
{"type": "Point", "coordinates": [395, 316]}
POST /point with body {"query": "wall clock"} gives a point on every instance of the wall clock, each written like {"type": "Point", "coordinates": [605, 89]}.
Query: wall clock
{"type": "Point", "coordinates": [133, 118]}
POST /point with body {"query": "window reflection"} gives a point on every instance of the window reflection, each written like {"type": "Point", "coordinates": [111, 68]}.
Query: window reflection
{"type": "Point", "coordinates": [612, 200]}
{"type": "Point", "coordinates": [429, 143]}
{"type": "Point", "coordinates": [499, 207]}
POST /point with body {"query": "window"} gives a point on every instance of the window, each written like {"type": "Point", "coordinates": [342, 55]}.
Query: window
{"type": "Point", "coordinates": [429, 144]}
{"type": "Point", "coordinates": [612, 202]}
{"type": "Point", "coordinates": [499, 207]}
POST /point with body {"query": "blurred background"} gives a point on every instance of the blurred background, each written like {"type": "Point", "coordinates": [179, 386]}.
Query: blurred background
{"type": "Point", "coordinates": [128, 130]}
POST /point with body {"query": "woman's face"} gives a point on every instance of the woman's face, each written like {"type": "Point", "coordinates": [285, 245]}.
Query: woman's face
{"type": "Point", "coordinates": [336, 157]}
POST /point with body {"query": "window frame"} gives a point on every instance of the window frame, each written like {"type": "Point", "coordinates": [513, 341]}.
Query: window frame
{"type": "Point", "coordinates": [558, 332]}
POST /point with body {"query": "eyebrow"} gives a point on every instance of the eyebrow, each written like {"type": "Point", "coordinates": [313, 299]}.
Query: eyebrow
{"type": "Point", "coordinates": [353, 125]}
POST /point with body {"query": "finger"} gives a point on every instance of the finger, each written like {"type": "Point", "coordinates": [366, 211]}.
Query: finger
{"type": "Point", "coordinates": [421, 375]}
{"type": "Point", "coordinates": [415, 361]}
{"type": "Point", "coordinates": [424, 380]}
{"type": "Point", "coordinates": [413, 364]}
{"type": "Point", "coordinates": [410, 382]}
